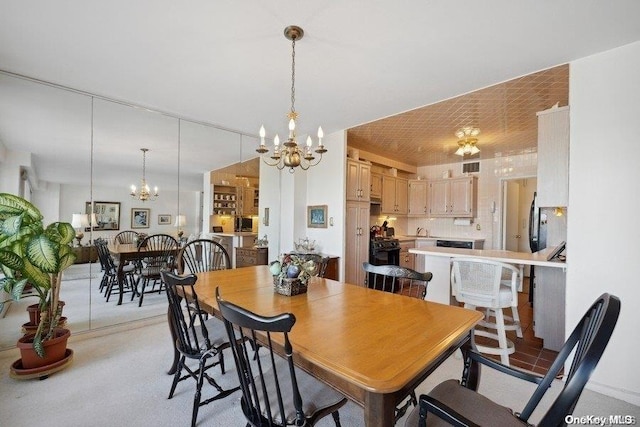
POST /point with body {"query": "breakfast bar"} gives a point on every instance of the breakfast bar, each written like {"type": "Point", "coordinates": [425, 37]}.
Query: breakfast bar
{"type": "Point", "coordinates": [549, 295]}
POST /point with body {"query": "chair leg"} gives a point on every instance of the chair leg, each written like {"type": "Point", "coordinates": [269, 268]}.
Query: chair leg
{"type": "Point", "coordinates": [196, 398]}
{"type": "Point", "coordinates": [516, 321]}
{"type": "Point", "coordinates": [176, 376]}
{"type": "Point", "coordinates": [144, 285]}
{"type": "Point", "coordinates": [502, 335]}
{"type": "Point", "coordinates": [336, 418]}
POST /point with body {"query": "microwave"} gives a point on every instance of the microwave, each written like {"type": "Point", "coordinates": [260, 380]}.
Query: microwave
{"type": "Point", "coordinates": [243, 224]}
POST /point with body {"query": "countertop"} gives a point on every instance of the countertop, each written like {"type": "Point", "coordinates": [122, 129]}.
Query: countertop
{"type": "Point", "coordinates": [433, 239]}
{"type": "Point", "coordinates": [538, 258]}
{"type": "Point", "coordinates": [236, 234]}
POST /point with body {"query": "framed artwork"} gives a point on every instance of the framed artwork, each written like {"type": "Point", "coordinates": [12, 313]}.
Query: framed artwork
{"type": "Point", "coordinates": [317, 216]}
{"type": "Point", "coordinates": [103, 216]}
{"type": "Point", "coordinates": [140, 217]}
{"type": "Point", "coordinates": [164, 219]}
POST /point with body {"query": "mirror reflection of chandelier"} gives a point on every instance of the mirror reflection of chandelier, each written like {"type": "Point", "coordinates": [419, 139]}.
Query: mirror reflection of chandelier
{"type": "Point", "coordinates": [145, 192]}
{"type": "Point", "coordinates": [290, 154]}
{"type": "Point", "coordinates": [467, 139]}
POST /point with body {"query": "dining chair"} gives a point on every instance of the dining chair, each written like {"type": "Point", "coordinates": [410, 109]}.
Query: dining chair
{"type": "Point", "coordinates": [274, 391]}
{"type": "Point", "coordinates": [159, 255]}
{"type": "Point", "coordinates": [127, 236]}
{"type": "Point", "coordinates": [202, 255]}
{"type": "Point", "coordinates": [196, 338]}
{"type": "Point", "coordinates": [109, 280]}
{"type": "Point", "coordinates": [459, 403]}
{"type": "Point", "coordinates": [321, 263]}
{"type": "Point", "coordinates": [481, 283]}
{"type": "Point", "coordinates": [396, 279]}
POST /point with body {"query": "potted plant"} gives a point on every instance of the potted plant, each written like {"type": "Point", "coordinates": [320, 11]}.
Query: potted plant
{"type": "Point", "coordinates": [35, 254]}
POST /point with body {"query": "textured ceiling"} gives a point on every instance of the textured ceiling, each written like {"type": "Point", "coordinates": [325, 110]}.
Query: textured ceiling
{"type": "Point", "coordinates": [505, 114]}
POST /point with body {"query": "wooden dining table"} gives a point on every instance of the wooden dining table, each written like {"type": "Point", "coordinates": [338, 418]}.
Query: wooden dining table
{"type": "Point", "coordinates": [375, 347]}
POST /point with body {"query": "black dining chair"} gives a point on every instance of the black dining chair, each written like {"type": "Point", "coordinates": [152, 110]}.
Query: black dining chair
{"type": "Point", "coordinates": [109, 282]}
{"type": "Point", "coordinates": [196, 338]}
{"type": "Point", "coordinates": [203, 255]}
{"type": "Point", "coordinates": [396, 279]}
{"type": "Point", "coordinates": [274, 391]}
{"type": "Point", "coordinates": [459, 403]}
{"type": "Point", "coordinates": [162, 250]}
{"type": "Point", "coordinates": [127, 236]}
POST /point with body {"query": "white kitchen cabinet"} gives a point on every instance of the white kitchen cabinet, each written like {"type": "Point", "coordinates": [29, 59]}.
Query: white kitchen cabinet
{"type": "Point", "coordinates": [549, 306]}
{"type": "Point", "coordinates": [376, 185]}
{"type": "Point", "coordinates": [395, 195]}
{"type": "Point", "coordinates": [453, 197]}
{"type": "Point", "coordinates": [417, 198]}
{"type": "Point", "coordinates": [356, 241]}
{"type": "Point", "coordinates": [553, 157]}
{"type": "Point", "coordinates": [407, 260]}
{"type": "Point", "coordinates": [358, 180]}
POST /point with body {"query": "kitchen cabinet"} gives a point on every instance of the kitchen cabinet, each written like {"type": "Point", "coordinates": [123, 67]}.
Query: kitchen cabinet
{"type": "Point", "coordinates": [249, 201]}
{"type": "Point", "coordinates": [357, 241]}
{"type": "Point", "coordinates": [407, 260]}
{"type": "Point", "coordinates": [417, 198]}
{"type": "Point", "coordinates": [395, 195]}
{"type": "Point", "coordinates": [247, 257]}
{"type": "Point", "coordinates": [358, 180]}
{"type": "Point", "coordinates": [225, 200]}
{"type": "Point", "coordinates": [376, 185]}
{"type": "Point", "coordinates": [453, 197]}
{"type": "Point", "coordinates": [553, 157]}
{"type": "Point", "coordinates": [85, 254]}
{"type": "Point", "coordinates": [549, 306]}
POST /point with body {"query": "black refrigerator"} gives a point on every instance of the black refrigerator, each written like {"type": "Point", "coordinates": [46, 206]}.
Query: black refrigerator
{"type": "Point", "coordinates": [537, 237]}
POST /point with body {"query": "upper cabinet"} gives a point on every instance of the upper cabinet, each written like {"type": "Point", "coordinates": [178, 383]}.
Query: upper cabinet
{"type": "Point", "coordinates": [454, 197]}
{"type": "Point", "coordinates": [249, 201]}
{"type": "Point", "coordinates": [553, 157]}
{"type": "Point", "coordinates": [395, 195]}
{"type": "Point", "coordinates": [358, 180]}
{"type": "Point", "coordinates": [417, 198]}
{"type": "Point", "coordinates": [376, 185]}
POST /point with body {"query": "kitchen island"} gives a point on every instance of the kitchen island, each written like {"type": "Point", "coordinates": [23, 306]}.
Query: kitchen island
{"type": "Point", "coordinates": [549, 295]}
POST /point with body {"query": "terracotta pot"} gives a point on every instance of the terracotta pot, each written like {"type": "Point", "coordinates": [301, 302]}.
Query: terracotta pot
{"type": "Point", "coordinates": [30, 328]}
{"type": "Point", "coordinates": [55, 349]}
{"type": "Point", "coordinates": [34, 313]}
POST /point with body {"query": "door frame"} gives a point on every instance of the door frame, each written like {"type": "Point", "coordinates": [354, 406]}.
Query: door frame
{"type": "Point", "coordinates": [503, 204]}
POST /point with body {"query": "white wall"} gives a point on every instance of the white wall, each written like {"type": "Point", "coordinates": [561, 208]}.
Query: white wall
{"type": "Point", "coordinates": [604, 195]}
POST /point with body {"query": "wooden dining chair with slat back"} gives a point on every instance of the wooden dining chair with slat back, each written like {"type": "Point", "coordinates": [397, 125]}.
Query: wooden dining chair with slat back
{"type": "Point", "coordinates": [396, 279]}
{"type": "Point", "coordinates": [162, 250]}
{"type": "Point", "coordinates": [203, 255]}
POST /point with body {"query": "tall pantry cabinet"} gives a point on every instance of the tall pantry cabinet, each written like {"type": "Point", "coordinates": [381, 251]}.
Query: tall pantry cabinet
{"type": "Point", "coordinates": [357, 220]}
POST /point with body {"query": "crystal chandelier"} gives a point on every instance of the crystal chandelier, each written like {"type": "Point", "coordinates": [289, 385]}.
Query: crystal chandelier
{"type": "Point", "coordinates": [467, 141]}
{"type": "Point", "coordinates": [145, 193]}
{"type": "Point", "coordinates": [290, 154]}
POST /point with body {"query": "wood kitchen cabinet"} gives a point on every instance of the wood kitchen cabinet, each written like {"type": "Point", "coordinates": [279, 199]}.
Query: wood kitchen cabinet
{"type": "Point", "coordinates": [553, 157]}
{"type": "Point", "coordinates": [249, 201]}
{"type": "Point", "coordinates": [417, 198]}
{"type": "Point", "coordinates": [358, 180]}
{"type": "Point", "coordinates": [247, 257]}
{"type": "Point", "coordinates": [407, 260]}
{"type": "Point", "coordinates": [357, 241]}
{"type": "Point", "coordinates": [453, 197]}
{"type": "Point", "coordinates": [395, 195]}
{"type": "Point", "coordinates": [376, 185]}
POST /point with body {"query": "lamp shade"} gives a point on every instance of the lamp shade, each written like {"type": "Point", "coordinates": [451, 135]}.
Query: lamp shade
{"type": "Point", "coordinates": [181, 221]}
{"type": "Point", "coordinates": [80, 220]}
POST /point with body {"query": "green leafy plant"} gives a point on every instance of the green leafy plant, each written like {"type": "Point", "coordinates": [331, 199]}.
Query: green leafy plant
{"type": "Point", "coordinates": [32, 253]}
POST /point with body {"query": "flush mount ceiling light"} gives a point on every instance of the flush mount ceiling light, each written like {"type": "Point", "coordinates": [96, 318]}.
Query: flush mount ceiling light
{"type": "Point", "coordinates": [467, 139]}
{"type": "Point", "coordinates": [290, 154]}
{"type": "Point", "coordinates": [145, 193]}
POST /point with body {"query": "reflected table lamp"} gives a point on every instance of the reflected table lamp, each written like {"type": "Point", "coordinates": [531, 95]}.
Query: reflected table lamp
{"type": "Point", "coordinates": [181, 221]}
{"type": "Point", "coordinates": [79, 222]}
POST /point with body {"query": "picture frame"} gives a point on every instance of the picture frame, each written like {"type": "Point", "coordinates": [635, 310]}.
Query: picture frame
{"type": "Point", "coordinates": [140, 217]}
{"type": "Point", "coordinates": [164, 219]}
{"type": "Point", "coordinates": [104, 216]}
{"type": "Point", "coordinates": [317, 216]}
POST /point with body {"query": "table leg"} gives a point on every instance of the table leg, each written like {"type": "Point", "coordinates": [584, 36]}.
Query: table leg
{"type": "Point", "coordinates": [379, 409]}
{"type": "Point", "coordinates": [120, 280]}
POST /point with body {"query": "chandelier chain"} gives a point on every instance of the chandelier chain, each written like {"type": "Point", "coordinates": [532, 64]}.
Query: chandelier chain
{"type": "Point", "coordinates": [293, 75]}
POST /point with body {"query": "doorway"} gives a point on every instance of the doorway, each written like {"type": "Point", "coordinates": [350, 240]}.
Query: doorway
{"type": "Point", "coordinates": [516, 197]}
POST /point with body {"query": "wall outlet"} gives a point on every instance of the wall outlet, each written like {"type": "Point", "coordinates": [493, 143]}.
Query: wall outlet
{"type": "Point", "coordinates": [477, 226]}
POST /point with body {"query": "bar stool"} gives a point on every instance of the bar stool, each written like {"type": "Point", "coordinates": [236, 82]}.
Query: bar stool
{"type": "Point", "coordinates": [482, 283]}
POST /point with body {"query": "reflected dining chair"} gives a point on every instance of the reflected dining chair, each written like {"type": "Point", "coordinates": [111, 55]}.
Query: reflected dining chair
{"type": "Point", "coordinates": [162, 250]}
{"type": "Point", "coordinates": [202, 255]}
{"type": "Point", "coordinates": [109, 281]}
{"type": "Point", "coordinates": [396, 279]}
{"type": "Point", "coordinates": [274, 391]}
{"type": "Point", "coordinates": [127, 236]}
{"type": "Point", "coordinates": [481, 283]}
{"type": "Point", "coordinates": [459, 403]}
{"type": "Point", "coordinates": [196, 338]}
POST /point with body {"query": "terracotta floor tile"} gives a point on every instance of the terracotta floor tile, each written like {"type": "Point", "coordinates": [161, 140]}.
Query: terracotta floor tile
{"type": "Point", "coordinates": [522, 357]}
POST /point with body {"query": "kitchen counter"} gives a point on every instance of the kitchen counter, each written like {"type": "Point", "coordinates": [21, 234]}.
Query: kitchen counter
{"type": "Point", "coordinates": [475, 241]}
{"type": "Point", "coordinates": [538, 258]}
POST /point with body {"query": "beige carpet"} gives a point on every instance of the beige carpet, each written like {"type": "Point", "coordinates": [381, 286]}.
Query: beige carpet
{"type": "Point", "coordinates": [118, 378]}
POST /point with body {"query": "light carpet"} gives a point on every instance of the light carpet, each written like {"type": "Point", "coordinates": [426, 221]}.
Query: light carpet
{"type": "Point", "coordinates": [118, 378]}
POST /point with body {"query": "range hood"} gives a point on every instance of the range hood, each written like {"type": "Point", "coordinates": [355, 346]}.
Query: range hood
{"type": "Point", "coordinates": [375, 201]}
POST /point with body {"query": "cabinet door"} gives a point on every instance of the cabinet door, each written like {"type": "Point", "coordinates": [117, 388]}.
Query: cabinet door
{"type": "Point", "coordinates": [365, 182]}
{"type": "Point", "coordinates": [439, 198]}
{"type": "Point", "coordinates": [376, 185]}
{"type": "Point", "coordinates": [402, 196]}
{"type": "Point", "coordinates": [417, 198]}
{"type": "Point", "coordinates": [353, 189]}
{"type": "Point", "coordinates": [553, 157]}
{"type": "Point", "coordinates": [388, 195]}
{"type": "Point", "coordinates": [357, 241]}
{"type": "Point", "coordinates": [461, 193]}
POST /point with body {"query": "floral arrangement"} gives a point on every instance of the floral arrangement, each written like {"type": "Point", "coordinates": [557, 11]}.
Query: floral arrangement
{"type": "Point", "coordinates": [291, 266]}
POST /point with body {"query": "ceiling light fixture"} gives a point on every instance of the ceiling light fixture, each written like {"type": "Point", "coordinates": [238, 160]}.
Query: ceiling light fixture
{"type": "Point", "coordinates": [467, 140]}
{"type": "Point", "coordinates": [145, 193]}
{"type": "Point", "coordinates": [290, 154]}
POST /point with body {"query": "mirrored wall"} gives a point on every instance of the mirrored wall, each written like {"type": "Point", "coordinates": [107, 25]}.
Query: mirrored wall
{"type": "Point", "coordinates": [66, 148]}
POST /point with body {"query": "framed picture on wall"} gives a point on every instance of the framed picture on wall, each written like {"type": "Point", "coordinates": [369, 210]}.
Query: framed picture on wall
{"type": "Point", "coordinates": [164, 219]}
{"type": "Point", "coordinates": [317, 216]}
{"type": "Point", "coordinates": [140, 217]}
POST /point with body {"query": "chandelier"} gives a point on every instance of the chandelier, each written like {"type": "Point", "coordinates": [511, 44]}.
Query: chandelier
{"type": "Point", "coordinates": [467, 141]}
{"type": "Point", "coordinates": [145, 193]}
{"type": "Point", "coordinates": [290, 154]}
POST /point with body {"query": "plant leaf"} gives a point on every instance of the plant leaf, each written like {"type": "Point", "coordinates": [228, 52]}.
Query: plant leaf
{"type": "Point", "coordinates": [11, 225]}
{"type": "Point", "coordinates": [38, 278]}
{"type": "Point", "coordinates": [18, 288]}
{"type": "Point", "coordinates": [67, 257]}
{"type": "Point", "coordinates": [12, 204]}
{"type": "Point", "coordinates": [43, 253]}
{"type": "Point", "coordinates": [11, 260]}
{"type": "Point", "coordinates": [60, 232]}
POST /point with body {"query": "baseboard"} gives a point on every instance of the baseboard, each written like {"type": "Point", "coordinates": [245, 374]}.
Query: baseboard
{"type": "Point", "coordinates": [617, 393]}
